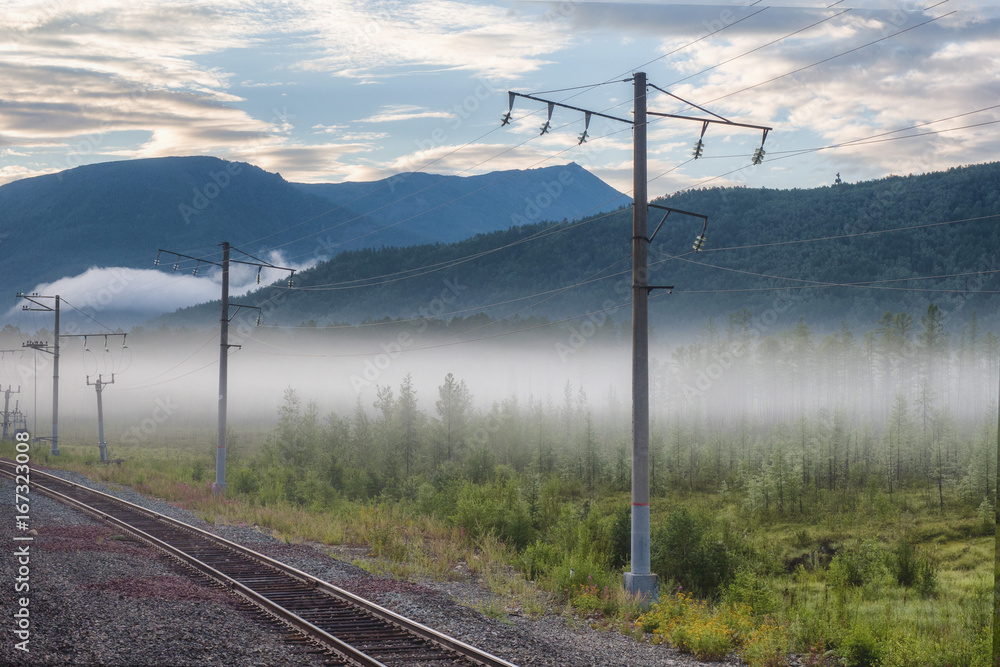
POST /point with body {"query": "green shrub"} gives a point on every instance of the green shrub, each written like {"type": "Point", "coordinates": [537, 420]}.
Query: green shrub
{"type": "Point", "coordinates": [198, 470]}
{"type": "Point", "coordinates": [748, 589]}
{"type": "Point", "coordinates": [986, 518]}
{"type": "Point", "coordinates": [706, 637]}
{"type": "Point", "coordinates": [926, 583]}
{"type": "Point", "coordinates": [581, 572]}
{"type": "Point", "coordinates": [537, 559]}
{"type": "Point", "coordinates": [495, 507]}
{"type": "Point", "coordinates": [621, 537]}
{"type": "Point", "coordinates": [767, 645]}
{"type": "Point", "coordinates": [912, 570]}
{"type": "Point", "coordinates": [858, 565]}
{"type": "Point", "coordinates": [860, 649]}
{"type": "Point", "coordinates": [684, 551]}
{"type": "Point", "coordinates": [245, 481]}
{"type": "Point", "coordinates": [906, 562]}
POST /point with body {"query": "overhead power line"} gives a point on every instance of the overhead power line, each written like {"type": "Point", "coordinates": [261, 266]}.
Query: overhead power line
{"type": "Point", "coordinates": [834, 57]}
{"type": "Point", "coordinates": [224, 344]}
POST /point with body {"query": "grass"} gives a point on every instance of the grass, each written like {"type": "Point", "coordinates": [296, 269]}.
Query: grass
{"type": "Point", "coordinates": [806, 610]}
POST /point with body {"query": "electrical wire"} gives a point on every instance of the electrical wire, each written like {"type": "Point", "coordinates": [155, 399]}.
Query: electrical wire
{"type": "Point", "coordinates": [440, 266]}
{"type": "Point", "coordinates": [854, 235]}
{"type": "Point", "coordinates": [432, 162]}
{"type": "Point", "coordinates": [871, 138]}
{"type": "Point", "coordinates": [550, 295]}
{"type": "Point", "coordinates": [574, 88]}
{"type": "Point", "coordinates": [110, 330]}
{"type": "Point", "coordinates": [871, 284]}
{"type": "Point", "coordinates": [395, 224]}
{"type": "Point", "coordinates": [155, 384]}
{"type": "Point", "coordinates": [834, 57]}
{"type": "Point", "coordinates": [704, 37]}
{"type": "Point", "coordinates": [211, 338]}
{"type": "Point", "coordinates": [460, 342]}
{"type": "Point", "coordinates": [762, 46]}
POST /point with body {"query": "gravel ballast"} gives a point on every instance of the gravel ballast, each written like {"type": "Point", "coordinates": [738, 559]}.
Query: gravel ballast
{"type": "Point", "coordinates": [97, 598]}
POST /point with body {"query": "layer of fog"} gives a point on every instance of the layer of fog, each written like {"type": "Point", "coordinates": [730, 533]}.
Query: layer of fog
{"type": "Point", "coordinates": [167, 384]}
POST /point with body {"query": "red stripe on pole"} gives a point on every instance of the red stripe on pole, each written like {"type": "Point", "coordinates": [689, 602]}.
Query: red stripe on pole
{"type": "Point", "coordinates": [640, 504]}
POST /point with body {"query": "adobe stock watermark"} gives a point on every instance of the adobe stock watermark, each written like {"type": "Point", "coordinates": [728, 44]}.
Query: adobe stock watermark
{"type": "Point", "coordinates": [92, 141]}
{"type": "Point", "coordinates": [202, 196]}
{"type": "Point", "coordinates": [579, 334]}
{"type": "Point", "coordinates": [461, 111]}
{"type": "Point", "coordinates": [376, 365]}
{"type": "Point", "coordinates": [759, 326]}
{"type": "Point", "coordinates": [561, 11]}
{"type": "Point", "coordinates": [217, 182]}
{"type": "Point", "coordinates": [163, 410]}
{"type": "Point", "coordinates": [536, 205]}
{"type": "Point", "coordinates": [99, 300]}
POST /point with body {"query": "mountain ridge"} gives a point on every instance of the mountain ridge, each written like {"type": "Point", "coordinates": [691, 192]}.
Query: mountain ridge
{"type": "Point", "coordinates": [117, 214]}
{"type": "Point", "coordinates": [846, 252]}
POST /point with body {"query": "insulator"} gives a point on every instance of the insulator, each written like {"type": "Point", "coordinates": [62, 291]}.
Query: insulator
{"type": "Point", "coordinates": [258, 274]}
{"type": "Point", "coordinates": [196, 266]}
{"type": "Point", "coordinates": [258, 319]}
{"type": "Point", "coordinates": [505, 120]}
{"type": "Point", "coordinates": [758, 155]}
{"type": "Point", "coordinates": [699, 148]}
{"type": "Point", "coordinates": [176, 264]}
{"type": "Point", "coordinates": [545, 128]}
{"type": "Point", "coordinates": [699, 242]}
{"type": "Point", "coordinates": [156, 262]}
{"type": "Point", "coordinates": [583, 138]}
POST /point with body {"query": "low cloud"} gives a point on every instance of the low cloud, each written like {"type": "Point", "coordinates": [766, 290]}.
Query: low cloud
{"type": "Point", "coordinates": [128, 293]}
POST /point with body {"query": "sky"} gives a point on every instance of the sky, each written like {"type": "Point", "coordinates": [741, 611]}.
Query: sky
{"type": "Point", "coordinates": [336, 90]}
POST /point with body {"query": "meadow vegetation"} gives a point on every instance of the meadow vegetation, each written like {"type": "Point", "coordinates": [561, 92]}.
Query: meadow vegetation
{"type": "Point", "coordinates": [846, 534]}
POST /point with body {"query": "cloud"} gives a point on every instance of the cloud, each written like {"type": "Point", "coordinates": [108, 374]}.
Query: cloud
{"type": "Point", "coordinates": [931, 72]}
{"type": "Point", "coordinates": [312, 163]}
{"type": "Point", "coordinates": [83, 82]}
{"type": "Point", "coordinates": [398, 112]}
{"type": "Point", "coordinates": [388, 39]}
{"type": "Point", "coordinates": [17, 172]}
{"type": "Point", "coordinates": [121, 292]}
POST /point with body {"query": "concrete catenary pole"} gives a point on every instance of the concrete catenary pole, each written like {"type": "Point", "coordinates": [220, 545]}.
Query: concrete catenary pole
{"type": "Point", "coordinates": [101, 444]}
{"type": "Point", "coordinates": [6, 410]}
{"type": "Point", "coordinates": [996, 553]}
{"type": "Point", "coordinates": [220, 452]}
{"type": "Point", "coordinates": [55, 384]}
{"type": "Point", "coordinates": [640, 580]}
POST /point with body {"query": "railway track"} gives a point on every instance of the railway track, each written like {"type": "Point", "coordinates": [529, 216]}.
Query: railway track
{"type": "Point", "coordinates": [352, 630]}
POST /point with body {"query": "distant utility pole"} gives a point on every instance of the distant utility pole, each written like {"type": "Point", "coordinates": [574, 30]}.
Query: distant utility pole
{"type": "Point", "coordinates": [224, 345]}
{"type": "Point", "coordinates": [54, 351]}
{"type": "Point", "coordinates": [99, 385]}
{"type": "Point", "coordinates": [7, 422]}
{"type": "Point", "coordinates": [641, 580]}
{"type": "Point", "coordinates": [18, 420]}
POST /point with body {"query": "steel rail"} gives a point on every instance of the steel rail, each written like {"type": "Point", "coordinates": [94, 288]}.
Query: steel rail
{"type": "Point", "coordinates": [283, 614]}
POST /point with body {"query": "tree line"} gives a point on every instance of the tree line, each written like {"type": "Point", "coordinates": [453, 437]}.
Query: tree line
{"type": "Point", "coordinates": [791, 421]}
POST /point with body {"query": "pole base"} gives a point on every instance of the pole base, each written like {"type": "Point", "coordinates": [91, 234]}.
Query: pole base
{"type": "Point", "coordinates": [218, 487]}
{"type": "Point", "coordinates": [643, 585]}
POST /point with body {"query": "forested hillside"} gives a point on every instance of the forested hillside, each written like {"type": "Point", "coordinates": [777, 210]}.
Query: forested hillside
{"type": "Point", "coordinates": [843, 253]}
